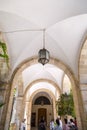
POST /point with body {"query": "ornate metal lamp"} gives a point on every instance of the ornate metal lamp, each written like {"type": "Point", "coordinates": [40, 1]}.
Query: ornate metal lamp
{"type": "Point", "coordinates": [43, 54]}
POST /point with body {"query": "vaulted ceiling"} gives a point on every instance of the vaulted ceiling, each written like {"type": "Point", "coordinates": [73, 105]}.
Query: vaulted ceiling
{"type": "Point", "coordinates": [22, 23]}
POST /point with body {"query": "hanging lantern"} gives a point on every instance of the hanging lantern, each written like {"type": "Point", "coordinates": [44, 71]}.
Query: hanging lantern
{"type": "Point", "coordinates": [43, 54]}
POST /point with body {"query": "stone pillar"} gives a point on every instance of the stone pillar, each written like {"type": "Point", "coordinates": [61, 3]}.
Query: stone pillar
{"type": "Point", "coordinates": [78, 106]}
{"type": "Point", "coordinates": [4, 93]}
{"type": "Point", "coordinates": [19, 108]}
{"type": "Point", "coordinates": [19, 86]}
{"type": "Point", "coordinates": [29, 116]}
{"type": "Point", "coordinates": [54, 109]}
{"type": "Point", "coordinates": [26, 107]}
{"type": "Point", "coordinates": [83, 88]}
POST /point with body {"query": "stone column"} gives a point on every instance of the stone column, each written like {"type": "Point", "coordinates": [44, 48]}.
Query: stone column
{"type": "Point", "coordinates": [20, 85]}
{"type": "Point", "coordinates": [19, 107]}
{"type": "Point", "coordinates": [29, 115]}
{"type": "Point", "coordinates": [83, 88]}
{"type": "Point", "coordinates": [26, 107]}
{"type": "Point", "coordinates": [54, 109]}
{"type": "Point", "coordinates": [19, 101]}
{"type": "Point", "coordinates": [78, 104]}
{"type": "Point", "coordinates": [4, 93]}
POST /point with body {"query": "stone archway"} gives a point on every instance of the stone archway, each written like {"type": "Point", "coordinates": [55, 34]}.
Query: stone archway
{"type": "Point", "coordinates": [28, 104]}
{"type": "Point", "coordinates": [69, 73]}
{"type": "Point", "coordinates": [83, 77]}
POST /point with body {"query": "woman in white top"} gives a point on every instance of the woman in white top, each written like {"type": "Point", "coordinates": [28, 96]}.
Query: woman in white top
{"type": "Point", "coordinates": [23, 125]}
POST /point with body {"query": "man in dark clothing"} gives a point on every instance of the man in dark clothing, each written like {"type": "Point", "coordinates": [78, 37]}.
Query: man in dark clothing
{"type": "Point", "coordinates": [42, 125]}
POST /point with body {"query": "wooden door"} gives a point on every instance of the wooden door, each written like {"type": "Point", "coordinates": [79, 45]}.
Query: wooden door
{"type": "Point", "coordinates": [42, 114]}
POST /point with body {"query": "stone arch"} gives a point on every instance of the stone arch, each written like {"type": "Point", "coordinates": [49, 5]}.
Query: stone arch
{"type": "Point", "coordinates": [29, 99]}
{"type": "Point", "coordinates": [37, 91]}
{"type": "Point", "coordinates": [43, 80]}
{"type": "Point", "coordinates": [68, 72]}
{"type": "Point", "coordinates": [28, 104]}
{"type": "Point", "coordinates": [67, 89]}
{"type": "Point", "coordinates": [83, 63]}
{"type": "Point", "coordinates": [41, 94]}
{"type": "Point", "coordinates": [83, 75]}
{"type": "Point", "coordinates": [62, 82]}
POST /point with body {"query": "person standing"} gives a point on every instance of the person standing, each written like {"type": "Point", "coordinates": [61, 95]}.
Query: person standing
{"type": "Point", "coordinates": [66, 126]}
{"type": "Point", "coordinates": [23, 125]}
{"type": "Point", "coordinates": [61, 125]}
{"type": "Point", "coordinates": [42, 125]}
{"type": "Point", "coordinates": [57, 127]}
{"type": "Point", "coordinates": [52, 124]}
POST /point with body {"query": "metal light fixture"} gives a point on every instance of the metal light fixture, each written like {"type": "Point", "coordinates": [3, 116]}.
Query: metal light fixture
{"type": "Point", "coordinates": [43, 54]}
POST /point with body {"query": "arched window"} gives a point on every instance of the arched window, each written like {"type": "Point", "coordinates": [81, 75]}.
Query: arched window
{"type": "Point", "coordinates": [42, 100]}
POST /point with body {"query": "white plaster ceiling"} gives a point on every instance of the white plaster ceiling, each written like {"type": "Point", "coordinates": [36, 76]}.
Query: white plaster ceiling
{"type": "Point", "coordinates": [37, 71]}
{"type": "Point", "coordinates": [65, 22]}
{"type": "Point", "coordinates": [42, 85]}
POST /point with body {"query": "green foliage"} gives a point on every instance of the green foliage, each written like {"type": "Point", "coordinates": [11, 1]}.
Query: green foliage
{"type": "Point", "coordinates": [65, 105]}
{"type": "Point", "coordinates": [4, 54]}
{"type": "Point", "coordinates": [15, 90]}
{"type": "Point", "coordinates": [1, 104]}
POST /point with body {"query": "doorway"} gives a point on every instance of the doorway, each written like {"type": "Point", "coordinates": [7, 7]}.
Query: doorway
{"type": "Point", "coordinates": [42, 114]}
{"type": "Point", "coordinates": [33, 119]}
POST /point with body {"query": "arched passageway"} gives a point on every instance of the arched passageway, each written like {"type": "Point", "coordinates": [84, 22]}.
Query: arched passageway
{"type": "Point", "coordinates": [23, 25]}
{"type": "Point", "coordinates": [23, 95]}
{"type": "Point", "coordinates": [37, 89]}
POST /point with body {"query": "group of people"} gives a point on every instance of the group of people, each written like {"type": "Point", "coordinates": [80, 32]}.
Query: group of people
{"type": "Point", "coordinates": [66, 125]}
{"type": "Point", "coordinates": [55, 125]}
